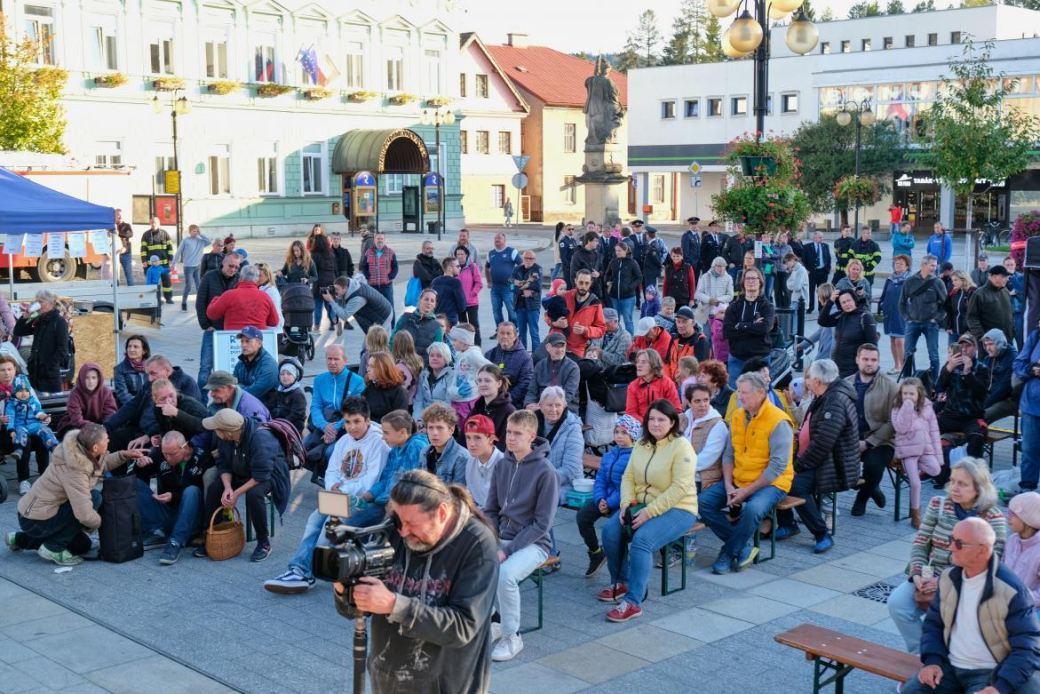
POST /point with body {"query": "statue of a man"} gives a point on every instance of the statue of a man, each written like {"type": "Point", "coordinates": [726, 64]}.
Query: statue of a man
{"type": "Point", "coordinates": [603, 109]}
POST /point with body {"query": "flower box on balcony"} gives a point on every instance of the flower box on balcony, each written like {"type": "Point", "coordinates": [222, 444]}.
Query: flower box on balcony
{"type": "Point", "coordinates": [402, 99]}
{"type": "Point", "coordinates": [114, 79]}
{"type": "Point", "coordinates": [168, 84]}
{"type": "Point", "coordinates": [268, 91]}
{"type": "Point", "coordinates": [362, 96]}
{"type": "Point", "coordinates": [438, 101]}
{"type": "Point", "coordinates": [223, 87]}
{"type": "Point", "coordinates": [317, 93]}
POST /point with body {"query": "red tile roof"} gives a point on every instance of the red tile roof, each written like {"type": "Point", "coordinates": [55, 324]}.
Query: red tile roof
{"type": "Point", "coordinates": [556, 78]}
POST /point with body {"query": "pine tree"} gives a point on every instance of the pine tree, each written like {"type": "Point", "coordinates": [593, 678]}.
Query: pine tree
{"type": "Point", "coordinates": [629, 58]}
{"type": "Point", "coordinates": [925, 6]}
{"type": "Point", "coordinates": [865, 8]}
{"type": "Point", "coordinates": [677, 52]}
{"type": "Point", "coordinates": [895, 7]}
{"type": "Point", "coordinates": [828, 15]}
{"type": "Point", "coordinates": [809, 11]}
{"type": "Point", "coordinates": [712, 45]}
{"type": "Point", "coordinates": [646, 38]}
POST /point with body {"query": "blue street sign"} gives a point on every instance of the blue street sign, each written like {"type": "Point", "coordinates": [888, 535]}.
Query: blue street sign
{"type": "Point", "coordinates": [364, 178]}
{"type": "Point", "coordinates": [432, 180]}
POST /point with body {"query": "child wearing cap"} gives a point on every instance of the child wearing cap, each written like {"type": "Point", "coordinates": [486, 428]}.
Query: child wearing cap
{"type": "Point", "coordinates": [287, 400]}
{"type": "Point", "coordinates": [1022, 549]}
{"type": "Point", "coordinates": [652, 305]}
{"type": "Point", "coordinates": [153, 275]}
{"type": "Point", "coordinates": [483, 456]}
{"type": "Point", "coordinates": [555, 305]}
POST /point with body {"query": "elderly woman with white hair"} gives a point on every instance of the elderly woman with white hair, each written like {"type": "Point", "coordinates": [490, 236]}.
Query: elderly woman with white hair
{"type": "Point", "coordinates": [50, 347]}
{"type": "Point", "coordinates": [714, 288]}
{"type": "Point", "coordinates": [562, 429]}
{"type": "Point", "coordinates": [969, 494]}
{"type": "Point", "coordinates": [435, 380]}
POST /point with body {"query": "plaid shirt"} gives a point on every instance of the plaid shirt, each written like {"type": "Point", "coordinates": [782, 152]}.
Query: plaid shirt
{"type": "Point", "coordinates": [378, 266]}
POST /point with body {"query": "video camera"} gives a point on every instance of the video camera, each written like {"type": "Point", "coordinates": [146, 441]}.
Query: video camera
{"type": "Point", "coordinates": [355, 552]}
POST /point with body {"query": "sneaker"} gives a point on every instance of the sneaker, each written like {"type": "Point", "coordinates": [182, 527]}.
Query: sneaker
{"type": "Point", "coordinates": [339, 328]}
{"type": "Point", "coordinates": [507, 648]}
{"type": "Point", "coordinates": [12, 544]}
{"type": "Point", "coordinates": [596, 561]}
{"type": "Point", "coordinates": [893, 371]}
{"type": "Point", "coordinates": [613, 593]}
{"type": "Point", "coordinates": [673, 559]}
{"type": "Point", "coordinates": [170, 555]}
{"type": "Point", "coordinates": [823, 544]}
{"type": "Point", "coordinates": [624, 612]}
{"type": "Point", "coordinates": [496, 631]}
{"type": "Point", "coordinates": [262, 551]}
{"type": "Point", "coordinates": [747, 557]}
{"type": "Point", "coordinates": [62, 558]}
{"type": "Point", "coordinates": [155, 541]}
{"type": "Point", "coordinates": [200, 552]}
{"type": "Point", "coordinates": [293, 582]}
{"type": "Point", "coordinates": [24, 486]}
{"type": "Point", "coordinates": [722, 564]}
{"type": "Point", "coordinates": [786, 531]}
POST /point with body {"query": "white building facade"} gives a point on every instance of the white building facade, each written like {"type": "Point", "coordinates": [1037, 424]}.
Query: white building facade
{"type": "Point", "coordinates": [685, 114]}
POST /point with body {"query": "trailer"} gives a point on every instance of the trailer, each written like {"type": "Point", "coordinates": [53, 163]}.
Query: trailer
{"type": "Point", "coordinates": [96, 295]}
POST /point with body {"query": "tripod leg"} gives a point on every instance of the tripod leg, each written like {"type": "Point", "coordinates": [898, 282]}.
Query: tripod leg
{"type": "Point", "coordinates": [360, 654]}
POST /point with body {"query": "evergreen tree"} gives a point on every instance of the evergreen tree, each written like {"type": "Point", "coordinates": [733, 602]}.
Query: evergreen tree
{"type": "Point", "coordinates": [865, 8]}
{"type": "Point", "coordinates": [677, 51]}
{"type": "Point", "coordinates": [32, 118]}
{"type": "Point", "coordinates": [895, 7]}
{"type": "Point", "coordinates": [646, 39]}
{"type": "Point", "coordinates": [925, 6]}
{"type": "Point", "coordinates": [711, 47]}
{"type": "Point", "coordinates": [809, 11]}
{"type": "Point", "coordinates": [828, 14]}
{"type": "Point", "coordinates": [629, 58]}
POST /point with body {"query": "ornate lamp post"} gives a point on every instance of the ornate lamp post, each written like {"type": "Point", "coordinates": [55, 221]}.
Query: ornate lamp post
{"type": "Point", "coordinates": [179, 107]}
{"type": "Point", "coordinates": [860, 112]}
{"type": "Point", "coordinates": [438, 116]}
{"type": "Point", "coordinates": [750, 34]}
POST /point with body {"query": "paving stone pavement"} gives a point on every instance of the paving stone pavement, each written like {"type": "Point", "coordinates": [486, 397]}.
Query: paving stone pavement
{"type": "Point", "coordinates": [132, 627]}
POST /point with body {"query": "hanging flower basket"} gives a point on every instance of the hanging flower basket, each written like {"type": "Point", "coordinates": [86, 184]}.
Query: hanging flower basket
{"type": "Point", "coordinates": [223, 87]}
{"type": "Point", "coordinates": [770, 156]}
{"type": "Point", "coordinates": [317, 93]}
{"type": "Point", "coordinates": [402, 99]}
{"type": "Point", "coordinates": [436, 101]}
{"type": "Point", "coordinates": [269, 91]}
{"type": "Point", "coordinates": [168, 84]}
{"type": "Point", "coordinates": [857, 189]}
{"type": "Point", "coordinates": [362, 96]}
{"type": "Point", "coordinates": [109, 81]}
{"type": "Point", "coordinates": [757, 166]}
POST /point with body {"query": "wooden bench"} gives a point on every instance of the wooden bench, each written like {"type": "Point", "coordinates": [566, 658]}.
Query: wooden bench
{"type": "Point", "coordinates": [787, 503]}
{"type": "Point", "coordinates": [537, 577]}
{"type": "Point", "coordinates": [835, 655]}
{"type": "Point", "coordinates": [993, 437]}
{"type": "Point", "coordinates": [900, 480]}
{"type": "Point", "coordinates": [590, 465]}
{"type": "Point", "coordinates": [679, 544]}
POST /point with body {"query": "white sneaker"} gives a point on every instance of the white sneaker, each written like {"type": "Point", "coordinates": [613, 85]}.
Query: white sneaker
{"type": "Point", "coordinates": [24, 486]}
{"type": "Point", "coordinates": [496, 631]}
{"type": "Point", "coordinates": [507, 648]}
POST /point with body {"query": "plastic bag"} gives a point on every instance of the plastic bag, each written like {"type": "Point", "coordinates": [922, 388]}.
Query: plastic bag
{"type": "Point", "coordinates": [411, 295]}
{"type": "Point", "coordinates": [1007, 481]}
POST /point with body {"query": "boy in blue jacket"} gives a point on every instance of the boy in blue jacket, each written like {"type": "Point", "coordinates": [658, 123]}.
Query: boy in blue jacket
{"type": "Point", "coordinates": [606, 494]}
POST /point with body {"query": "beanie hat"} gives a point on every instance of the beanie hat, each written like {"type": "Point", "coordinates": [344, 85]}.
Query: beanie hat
{"type": "Point", "coordinates": [558, 286]}
{"type": "Point", "coordinates": [1027, 507]}
{"type": "Point", "coordinates": [631, 426]}
{"type": "Point", "coordinates": [466, 337]}
{"type": "Point", "coordinates": [997, 335]}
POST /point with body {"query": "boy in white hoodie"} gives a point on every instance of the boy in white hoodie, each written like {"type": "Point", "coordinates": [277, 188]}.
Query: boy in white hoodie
{"type": "Point", "coordinates": [355, 465]}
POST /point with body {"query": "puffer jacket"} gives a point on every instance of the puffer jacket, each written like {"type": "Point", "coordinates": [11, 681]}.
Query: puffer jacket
{"type": "Point", "coordinates": [661, 475]}
{"type": "Point", "coordinates": [472, 283]}
{"type": "Point", "coordinates": [641, 393]}
{"type": "Point", "coordinates": [517, 366]}
{"type": "Point", "coordinates": [833, 440]}
{"type": "Point", "coordinates": [432, 389]}
{"type": "Point", "coordinates": [565, 450]}
{"type": "Point", "coordinates": [623, 277]}
{"type": "Point", "coordinates": [917, 433]}
{"type": "Point", "coordinates": [608, 478]}
{"type": "Point", "coordinates": [244, 305]}
{"type": "Point", "coordinates": [70, 477]}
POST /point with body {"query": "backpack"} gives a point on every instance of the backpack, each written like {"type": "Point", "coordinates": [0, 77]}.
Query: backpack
{"type": "Point", "coordinates": [121, 525]}
{"type": "Point", "coordinates": [289, 438]}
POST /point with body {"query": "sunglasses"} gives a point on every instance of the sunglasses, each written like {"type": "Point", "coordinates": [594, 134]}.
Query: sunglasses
{"type": "Point", "coordinates": [961, 544]}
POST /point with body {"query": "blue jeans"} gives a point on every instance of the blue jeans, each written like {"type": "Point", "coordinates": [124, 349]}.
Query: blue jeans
{"type": "Point", "coordinates": [59, 532]}
{"type": "Point", "coordinates": [557, 271]}
{"type": "Point", "coordinates": [906, 615]}
{"type": "Point", "coordinates": [1018, 331]}
{"type": "Point", "coordinates": [649, 538]}
{"type": "Point", "coordinates": [527, 322]}
{"type": "Point", "coordinates": [804, 487]}
{"type": "Point", "coordinates": [313, 536]}
{"type": "Point", "coordinates": [625, 307]}
{"type": "Point", "coordinates": [387, 290]}
{"type": "Point", "coordinates": [931, 337]}
{"type": "Point", "coordinates": [1030, 445]}
{"type": "Point", "coordinates": [126, 260]}
{"type": "Point", "coordinates": [735, 538]}
{"type": "Point", "coordinates": [734, 365]}
{"type": "Point", "coordinates": [955, 680]}
{"type": "Point", "coordinates": [191, 280]}
{"type": "Point", "coordinates": [205, 358]}
{"type": "Point", "coordinates": [371, 514]}
{"type": "Point", "coordinates": [178, 522]}
{"type": "Point", "coordinates": [500, 296]}
{"type": "Point", "coordinates": [321, 305]}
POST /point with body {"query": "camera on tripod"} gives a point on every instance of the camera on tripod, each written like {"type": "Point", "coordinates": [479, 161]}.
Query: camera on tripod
{"type": "Point", "coordinates": [355, 552]}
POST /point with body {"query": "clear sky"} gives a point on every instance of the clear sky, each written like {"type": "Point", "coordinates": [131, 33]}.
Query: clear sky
{"type": "Point", "coordinates": [584, 25]}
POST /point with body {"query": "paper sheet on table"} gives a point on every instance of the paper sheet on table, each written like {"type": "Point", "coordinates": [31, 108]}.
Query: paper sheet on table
{"type": "Point", "coordinates": [77, 245]}
{"type": "Point", "coordinates": [33, 245]}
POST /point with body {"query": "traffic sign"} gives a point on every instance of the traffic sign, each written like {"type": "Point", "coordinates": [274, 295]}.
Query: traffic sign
{"type": "Point", "coordinates": [695, 181]}
{"type": "Point", "coordinates": [520, 180]}
{"type": "Point", "coordinates": [695, 167]}
{"type": "Point", "coordinates": [172, 181]}
{"type": "Point", "coordinates": [521, 161]}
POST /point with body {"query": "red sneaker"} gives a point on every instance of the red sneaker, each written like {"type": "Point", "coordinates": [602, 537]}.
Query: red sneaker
{"type": "Point", "coordinates": [613, 593]}
{"type": "Point", "coordinates": [624, 612]}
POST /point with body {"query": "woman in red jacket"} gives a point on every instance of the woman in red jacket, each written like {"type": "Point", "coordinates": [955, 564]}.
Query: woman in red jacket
{"type": "Point", "coordinates": [650, 385]}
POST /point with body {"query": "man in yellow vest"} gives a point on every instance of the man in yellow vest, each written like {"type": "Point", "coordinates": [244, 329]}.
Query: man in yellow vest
{"type": "Point", "coordinates": [757, 469]}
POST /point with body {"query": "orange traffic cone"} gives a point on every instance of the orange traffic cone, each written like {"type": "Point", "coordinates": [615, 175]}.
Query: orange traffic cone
{"type": "Point", "coordinates": [173, 276]}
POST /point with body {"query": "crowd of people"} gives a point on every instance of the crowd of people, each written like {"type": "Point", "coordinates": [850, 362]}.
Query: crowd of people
{"type": "Point", "coordinates": [679, 402]}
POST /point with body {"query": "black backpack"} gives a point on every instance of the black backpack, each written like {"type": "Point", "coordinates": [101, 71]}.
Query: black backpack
{"type": "Point", "coordinates": [120, 531]}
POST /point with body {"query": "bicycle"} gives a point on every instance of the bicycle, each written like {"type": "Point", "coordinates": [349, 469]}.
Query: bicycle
{"type": "Point", "coordinates": [992, 235]}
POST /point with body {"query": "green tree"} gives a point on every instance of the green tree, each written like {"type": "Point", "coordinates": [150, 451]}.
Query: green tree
{"type": "Point", "coordinates": [32, 118]}
{"type": "Point", "coordinates": [712, 44]}
{"type": "Point", "coordinates": [828, 14]}
{"type": "Point", "coordinates": [977, 3]}
{"type": "Point", "coordinates": [925, 6]}
{"type": "Point", "coordinates": [677, 50]}
{"type": "Point", "coordinates": [970, 137]}
{"type": "Point", "coordinates": [645, 39]}
{"type": "Point", "coordinates": [809, 11]}
{"type": "Point", "coordinates": [627, 59]}
{"type": "Point", "coordinates": [895, 7]}
{"type": "Point", "coordinates": [828, 152]}
{"type": "Point", "coordinates": [865, 8]}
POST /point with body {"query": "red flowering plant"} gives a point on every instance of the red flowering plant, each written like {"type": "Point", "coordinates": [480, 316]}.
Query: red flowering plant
{"type": "Point", "coordinates": [1026, 226]}
{"type": "Point", "coordinates": [851, 189]}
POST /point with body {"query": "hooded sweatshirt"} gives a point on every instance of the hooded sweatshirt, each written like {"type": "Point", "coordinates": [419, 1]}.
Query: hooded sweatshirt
{"type": "Point", "coordinates": [355, 465]}
{"type": "Point", "coordinates": [437, 638]}
{"type": "Point", "coordinates": [522, 500]}
{"type": "Point", "coordinates": [88, 406]}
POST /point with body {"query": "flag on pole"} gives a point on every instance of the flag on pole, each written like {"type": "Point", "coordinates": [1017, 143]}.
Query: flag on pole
{"type": "Point", "coordinates": [331, 71]}
{"type": "Point", "coordinates": [308, 59]}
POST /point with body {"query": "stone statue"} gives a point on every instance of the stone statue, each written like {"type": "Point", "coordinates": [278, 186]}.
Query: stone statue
{"type": "Point", "coordinates": [603, 109]}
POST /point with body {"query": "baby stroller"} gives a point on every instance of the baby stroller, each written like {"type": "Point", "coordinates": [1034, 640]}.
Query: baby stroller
{"type": "Point", "coordinates": [298, 310]}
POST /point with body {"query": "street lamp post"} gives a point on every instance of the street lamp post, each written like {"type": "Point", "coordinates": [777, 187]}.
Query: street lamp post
{"type": "Point", "coordinates": [860, 112]}
{"type": "Point", "coordinates": [438, 116]}
{"type": "Point", "coordinates": [179, 107]}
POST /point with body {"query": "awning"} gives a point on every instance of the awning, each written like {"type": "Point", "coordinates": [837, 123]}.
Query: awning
{"type": "Point", "coordinates": [26, 207]}
{"type": "Point", "coordinates": [398, 151]}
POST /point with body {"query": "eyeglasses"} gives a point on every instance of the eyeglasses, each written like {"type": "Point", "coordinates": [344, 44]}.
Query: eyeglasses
{"type": "Point", "coordinates": [750, 279]}
{"type": "Point", "coordinates": [961, 544]}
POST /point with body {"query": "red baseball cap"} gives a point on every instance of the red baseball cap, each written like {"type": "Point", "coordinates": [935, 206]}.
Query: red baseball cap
{"type": "Point", "coordinates": [479, 424]}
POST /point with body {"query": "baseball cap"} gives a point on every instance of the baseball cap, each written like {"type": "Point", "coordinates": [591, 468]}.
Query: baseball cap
{"type": "Point", "coordinates": [225, 419]}
{"type": "Point", "coordinates": [685, 312]}
{"type": "Point", "coordinates": [555, 339]}
{"type": "Point", "coordinates": [644, 326]}
{"type": "Point", "coordinates": [983, 256]}
{"type": "Point", "coordinates": [969, 338]}
{"type": "Point", "coordinates": [999, 270]}
{"type": "Point", "coordinates": [219, 379]}
{"type": "Point", "coordinates": [250, 331]}
{"type": "Point", "coordinates": [479, 424]}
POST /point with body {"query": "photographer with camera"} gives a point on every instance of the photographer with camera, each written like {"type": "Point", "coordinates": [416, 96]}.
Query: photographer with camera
{"type": "Point", "coordinates": [352, 298]}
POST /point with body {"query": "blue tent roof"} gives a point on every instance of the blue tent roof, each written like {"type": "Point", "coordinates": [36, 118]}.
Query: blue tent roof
{"type": "Point", "coordinates": [27, 207]}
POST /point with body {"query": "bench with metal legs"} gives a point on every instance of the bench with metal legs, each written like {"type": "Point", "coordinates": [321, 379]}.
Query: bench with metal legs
{"type": "Point", "coordinates": [676, 545]}
{"type": "Point", "coordinates": [788, 502]}
{"type": "Point", "coordinates": [537, 577]}
{"type": "Point", "coordinates": [897, 474]}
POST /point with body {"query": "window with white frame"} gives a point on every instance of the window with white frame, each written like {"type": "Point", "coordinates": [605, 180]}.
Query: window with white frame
{"type": "Point", "coordinates": [464, 141]}
{"type": "Point", "coordinates": [311, 50]}
{"type": "Point", "coordinates": [355, 74]}
{"type": "Point", "coordinates": [788, 103]}
{"type": "Point", "coordinates": [692, 108]}
{"type": "Point", "coordinates": [393, 184]}
{"type": "Point", "coordinates": [498, 195]}
{"type": "Point", "coordinates": [267, 171]}
{"type": "Point", "coordinates": [39, 29]}
{"type": "Point", "coordinates": [215, 49]}
{"type": "Point", "coordinates": [483, 142]}
{"type": "Point", "coordinates": [313, 160]}
{"type": "Point", "coordinates": [394, 68]}
{"type": "Point", "coordinates": [738, 106]}
{"type": "Point", "coordinates": [108, 154]}
{"type": "Point", "coordinates": [570, 191]}
{"type": "Point", "coordinates": [505, 142]}
{"type": "Point", "coordinates": [102, 43]}
{"type": "Point", "coordinates": [160, 48]}
{"type": "Point", "coordinates": [657, 189]}
{"type": "Point", "coordinates": [265, 58]}
{"type": "Point", "coordinates": [667, 110]}
{"type": "Point", "coordinates": [220, 170]}
{"type": "Point", "coordinates": [570, 137]}
{"type": "Point", "coordinates": [481, 82]}
{"type": "Point", "coordinates": [432, 71]}
{"type": "Point", "coordinates": [163, 162]}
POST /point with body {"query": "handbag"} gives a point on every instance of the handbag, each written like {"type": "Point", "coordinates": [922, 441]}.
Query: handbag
{"type": "Point", "coordinates": [617, 397]}
{"type": "Point", "coordinates": [411, 294]}
{"type": "Point", "coordinates": [226, 539]}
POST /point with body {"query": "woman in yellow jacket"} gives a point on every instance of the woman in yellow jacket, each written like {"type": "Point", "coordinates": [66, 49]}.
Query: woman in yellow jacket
{"type": "Point", "coordinates": [658, 506]}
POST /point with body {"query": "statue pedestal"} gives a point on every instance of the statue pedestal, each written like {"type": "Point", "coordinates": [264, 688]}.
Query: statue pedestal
{"type": "Point", "coordinates": [604, 183]}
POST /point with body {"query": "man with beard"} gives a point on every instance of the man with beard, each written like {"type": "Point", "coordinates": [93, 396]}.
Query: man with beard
{"type": "Point", "coordinates": [875, 395]}
{"type": "Point", "coordinates": [585, 315]}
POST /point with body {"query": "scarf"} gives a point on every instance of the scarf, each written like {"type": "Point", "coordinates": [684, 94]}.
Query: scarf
{"type": "Point", "coordinates": [135, 364]}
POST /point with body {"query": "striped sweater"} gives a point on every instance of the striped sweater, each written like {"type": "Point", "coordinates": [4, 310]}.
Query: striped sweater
{"type": "Point", "coordinates": [932, 544]}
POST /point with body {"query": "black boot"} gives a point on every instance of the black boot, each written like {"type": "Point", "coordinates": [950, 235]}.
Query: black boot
{"type": "Point", "coordinates": [596, 561]}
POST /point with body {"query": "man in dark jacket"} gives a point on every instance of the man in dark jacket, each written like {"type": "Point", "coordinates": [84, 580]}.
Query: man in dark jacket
{"type": "Point", "coordinates": [251, 463]}
{"type": "Point", "coordinates": [831, 461]}
{"type": "Point", "coordinates": [981, 632]}
{"type": "Point", "coordinates": [527, 298]}
{"type": "Point", "coordinates": [999, 359]}
{"type": "Point", "coordinates": [747, 324]}
{"type": "Point", "coordinates": [514, 361]}
{"type": "Point", "coordinates": [213, 284]}
{"type": "Point", "coordinates": [733, 251]}
{"type": "Point", "coordinates": [586, 258]}
{"type": "Point", "coordinates": [134, 424]}
{"type": "Point", "coordinates": [451, 297]}
{"type": "Point", "coordinates": [432, 611]}
{"type": "Point", "coordinates": [691, 243]}
{"type": "Point", "coordinates": [816, 257]}
{"type": "Point", "coordinates": [622, 281]}
{"type": "Point", "coordinates": [426, 267]}
{"type": "Point", "coordinates": [990, 306]}
{"type": "Point", "coordinates": [842, 252]}
{"type": "Point", "coordinates": [256, 370]}
{"type": "Point", "coordinates": [867, 251]}
{"type": "Point", "coordinates": [173, 514]}
{"type": "Point", "coordinates": [566, 247]}
{"type": "Point", "coordinates": [555, 370]}
{"type": "Point", "coordinates": [357, 300]}
{"type": "Point", "coordinates": [713, 245]}
{"type": "Point", "coordinates": [964, 382]}
{"type": "Point", "coordinates": [922, 307]}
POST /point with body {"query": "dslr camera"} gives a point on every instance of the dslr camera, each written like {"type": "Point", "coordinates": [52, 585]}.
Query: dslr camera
{"type": "Point", "coordinates": [355, 552]}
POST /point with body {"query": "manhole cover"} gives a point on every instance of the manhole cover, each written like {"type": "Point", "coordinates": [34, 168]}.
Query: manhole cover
{"type": "Point", "coordinates": [878, 592]}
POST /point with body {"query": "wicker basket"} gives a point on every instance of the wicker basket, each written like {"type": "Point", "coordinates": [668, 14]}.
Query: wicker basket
{"type": "Point", "coordinates": [226, 539]}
